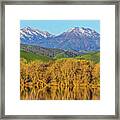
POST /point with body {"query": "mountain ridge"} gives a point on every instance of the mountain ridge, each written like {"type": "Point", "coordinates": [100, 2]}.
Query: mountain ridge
{"type": "Point", "coordinates": [73, 39]}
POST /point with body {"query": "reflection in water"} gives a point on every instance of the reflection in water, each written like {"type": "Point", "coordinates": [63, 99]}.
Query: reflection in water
{"type": "Point", "coordinates": [69, 93]}
{"type": "Point", "coordinates": [62, 92]}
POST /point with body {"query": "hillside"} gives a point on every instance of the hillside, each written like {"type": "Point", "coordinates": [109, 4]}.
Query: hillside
{"type": "Point", "coordinates": [61, 55]}
{"type": "Point", "coordinates": [31, 52]}
{"type": "Point", "coordinates": [93, 56]}
{"type": "Point", "coordinates": [50, 52]}
{"type": "Point", "coordinates": [29, 56]}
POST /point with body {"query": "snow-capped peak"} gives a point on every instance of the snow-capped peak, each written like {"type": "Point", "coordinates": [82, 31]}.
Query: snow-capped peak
{"type": "Point", "coordinates": [77, 38]}
{"type": "Point", "coordinates": [83, 31]}
{"type": "Point", "coordinates": [28, 31]}
{"type": "Point", "coordinates": [77, 29]}
{"type": "Point", "coordinates": [70, 30]}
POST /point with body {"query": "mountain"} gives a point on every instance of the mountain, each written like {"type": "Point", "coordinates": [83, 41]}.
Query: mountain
{"type": "Point", "coordinates": [76, 39]}
{"type": "Point", "coordinates": [79, 39]}
{"type": "Point", "coordinates": [33, 36]}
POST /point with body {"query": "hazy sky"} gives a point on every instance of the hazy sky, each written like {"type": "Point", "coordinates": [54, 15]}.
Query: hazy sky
{"type": "Point", "coordinates": [59, 26]}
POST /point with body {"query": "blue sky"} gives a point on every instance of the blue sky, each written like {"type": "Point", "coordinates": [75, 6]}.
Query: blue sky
{"type": "Point", "coordinates": [59, 26]}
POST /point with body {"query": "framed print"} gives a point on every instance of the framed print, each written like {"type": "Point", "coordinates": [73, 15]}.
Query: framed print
{"type": "Point", "coordinates": [60, 60]}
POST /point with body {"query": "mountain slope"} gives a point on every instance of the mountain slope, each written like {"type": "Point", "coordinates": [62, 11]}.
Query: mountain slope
{"type": "Point", "coordinates": [77, 39]}
{"type": "Point", "coordinates": [93, 56]}
{"type": "Point", "coordinates": [33, 36]}
{"type": "Point", "coordinates": [50, 52]}
{"type": "Point", "coordinates": [29, 56]}
{"type": "Point", "coordinates": [61, 55]}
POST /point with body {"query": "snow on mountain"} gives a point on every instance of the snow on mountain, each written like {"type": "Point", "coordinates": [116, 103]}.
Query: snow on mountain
{"type": "Point", "coordinates": [73, 39]}
{"type": "Point", "coordinates": [79, 39]}
{"type": "Point", "coordinates": [28, 32]}
{"type": "Point", "coordinates": [83, 31]}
